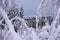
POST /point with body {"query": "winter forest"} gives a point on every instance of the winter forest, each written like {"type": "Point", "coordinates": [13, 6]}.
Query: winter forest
{"type": "Point", "coordinates": [13, 25]}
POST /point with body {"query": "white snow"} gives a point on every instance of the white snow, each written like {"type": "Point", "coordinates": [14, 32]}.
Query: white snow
{"type": "Point", "coordinates": [48, 32]}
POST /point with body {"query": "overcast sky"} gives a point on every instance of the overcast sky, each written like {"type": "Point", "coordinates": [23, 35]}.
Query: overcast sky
{"type": "Point", "coordinates": [30, 7]}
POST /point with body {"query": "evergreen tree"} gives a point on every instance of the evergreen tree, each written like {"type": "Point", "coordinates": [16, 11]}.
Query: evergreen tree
{"type": "Point", "coordinates": [21, 14]}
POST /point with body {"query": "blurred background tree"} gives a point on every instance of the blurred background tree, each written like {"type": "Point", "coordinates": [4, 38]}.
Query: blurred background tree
{"type": "Point", "coordinates": [21, 13]}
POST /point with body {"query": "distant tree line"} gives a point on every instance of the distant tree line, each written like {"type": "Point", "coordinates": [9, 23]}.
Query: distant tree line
{"type": "Point", "coordinates": [32, 21]}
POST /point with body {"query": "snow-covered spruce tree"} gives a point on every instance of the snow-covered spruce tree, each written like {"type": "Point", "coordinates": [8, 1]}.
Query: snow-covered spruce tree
{"type": "Point", "coordinates": [19, 23]}
{"type": "Point", "coordinates": [12, 12]}
{"type": "Point", "coordinates": [11, 32]}
{"type": "Point", "coordinates": [21, 13]}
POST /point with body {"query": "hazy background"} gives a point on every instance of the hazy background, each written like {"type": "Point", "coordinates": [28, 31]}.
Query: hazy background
{"type": "Point", "coordinates": [30, 7]}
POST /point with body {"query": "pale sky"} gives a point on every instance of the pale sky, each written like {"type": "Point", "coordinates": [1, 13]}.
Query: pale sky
{"type": "Point", "coordinates": [30, 7]}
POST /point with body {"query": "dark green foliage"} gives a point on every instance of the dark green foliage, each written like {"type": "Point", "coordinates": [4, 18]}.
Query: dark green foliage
{"type": "Point", "coordinates": [16, 23]}
{"type": "Point", "coordinates": [31, 22]}
{"type": "Point", "coordinates": [1, 17]}
{"type": "Point", "coordinates": [21, 14]}
{"type": "Point", "coordinates": [2, 26]}
{"type": "Point", "coordinates": [3, 22]}
{"type": "Point", "coordinates": [50, 19]}
{"type": "Point", "coordinates": [15, 29]}
{"type": "Point", "coordinates": [13, 12]}
{"type": "Point", "coordinates": [43, 20]}
{"type": "Point", "coordinates": [41, 23]}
